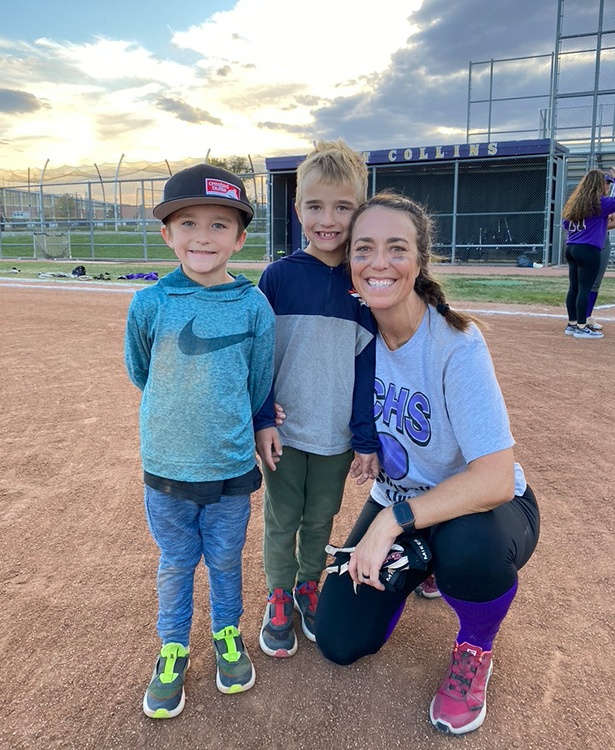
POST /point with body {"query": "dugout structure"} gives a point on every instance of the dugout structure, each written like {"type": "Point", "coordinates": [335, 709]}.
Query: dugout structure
{"type": "Point", "coordinates": [488, 200]}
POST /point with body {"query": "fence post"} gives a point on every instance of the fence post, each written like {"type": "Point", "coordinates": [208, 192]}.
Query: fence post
{"type": "Point", "coordinates": [270, 217]}
{"type": "Point", "coordinates": [143, 224]}
{"type": "Point", "coordinates": [41, 198]}
{"type": "Point", "coordinates": [91, 217]}
{"type": "Point", "coordinates": [454, 223]}
{"type": "Point", "coordinates": [115, 185]}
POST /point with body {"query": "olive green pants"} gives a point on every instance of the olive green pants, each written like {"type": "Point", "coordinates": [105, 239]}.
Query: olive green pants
{"type": "Point", "coordinates": [301, 498]}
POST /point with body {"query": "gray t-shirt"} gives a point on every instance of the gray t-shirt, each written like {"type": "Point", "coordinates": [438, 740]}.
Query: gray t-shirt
{"type": "Point", "coordinates": [438, 406]}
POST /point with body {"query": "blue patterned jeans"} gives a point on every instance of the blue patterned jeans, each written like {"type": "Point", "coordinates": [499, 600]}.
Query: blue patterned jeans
{"type": "Point", "coordinates": [184, 532]}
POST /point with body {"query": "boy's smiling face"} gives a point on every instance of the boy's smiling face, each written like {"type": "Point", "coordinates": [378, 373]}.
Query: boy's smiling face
{"type": "Point", "coordinates": [325, 212]}
{"type": "Point", "coordinates": [204, 237]}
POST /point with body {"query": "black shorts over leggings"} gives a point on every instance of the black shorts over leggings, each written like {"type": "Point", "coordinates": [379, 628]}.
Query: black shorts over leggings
{"type": "Point", "coordinates": [475, 558]}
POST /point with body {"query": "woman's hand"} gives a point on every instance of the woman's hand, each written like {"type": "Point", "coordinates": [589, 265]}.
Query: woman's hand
{"type": "Point", "coordinates": [369, 554]}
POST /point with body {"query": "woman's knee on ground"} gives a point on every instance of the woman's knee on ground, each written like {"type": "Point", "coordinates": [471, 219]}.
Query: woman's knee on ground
{"type": "Point", "coordinates": [336, 647]}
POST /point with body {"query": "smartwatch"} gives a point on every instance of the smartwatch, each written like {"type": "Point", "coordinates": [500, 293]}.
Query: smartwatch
{"type": "Point", "coordinates": [403, 515]}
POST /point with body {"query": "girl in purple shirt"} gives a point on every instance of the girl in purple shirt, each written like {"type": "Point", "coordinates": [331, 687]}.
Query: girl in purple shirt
{"type": "Point", "coordinates": [586, 216]}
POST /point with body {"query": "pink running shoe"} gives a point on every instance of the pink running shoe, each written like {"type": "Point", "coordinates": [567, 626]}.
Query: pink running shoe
{"type": "Point", "coordinates": [428, 588]}
{"type": "Point", "coordinates": [460, 705]}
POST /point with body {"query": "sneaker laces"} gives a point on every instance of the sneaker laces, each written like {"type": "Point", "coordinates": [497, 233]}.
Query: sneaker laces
{"type": "Point", "coordinates": [170, 652]}
{"type": "Point", "coordinates": [228, 635]}
{"type": "Point", "coordinates": [463, 671]}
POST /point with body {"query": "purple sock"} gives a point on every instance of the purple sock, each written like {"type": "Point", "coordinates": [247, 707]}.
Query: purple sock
{"type": "Point", "coordinates": [593, 296]}
{"type": "Point", "coordinates": [479, 622]}
{"type": "Point", "coordinates": [394, 621]}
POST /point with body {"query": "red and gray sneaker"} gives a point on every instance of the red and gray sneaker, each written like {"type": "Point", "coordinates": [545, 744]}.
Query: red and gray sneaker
{"type": "Point", "coordinates": [460, 705]}
{"type": "Point", "coordinates": [428, 588]}
{"type": "Point", "coordinates": [306, 600]}
{"type": "Point", "coordinates": [277, 636]}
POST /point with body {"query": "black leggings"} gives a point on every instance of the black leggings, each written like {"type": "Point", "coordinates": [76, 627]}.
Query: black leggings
{"type": "Point", "coordinates": [583, 267]}
{"type": "Point", "coordinates": [474, 558]}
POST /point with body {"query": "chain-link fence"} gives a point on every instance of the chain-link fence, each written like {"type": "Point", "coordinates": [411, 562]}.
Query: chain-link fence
{"type": "Point", "coordinates": [488, 211]}
{"type": "Point", "coordinates": [104, 219]}
{"type": "Point", "coordinates": [584, 83]}
{"type": "Point", "coordinates": [484, 210]}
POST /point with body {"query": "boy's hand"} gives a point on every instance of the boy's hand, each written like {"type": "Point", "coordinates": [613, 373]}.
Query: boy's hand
{"type": "Point", "coordinates": [269, 446]}
{"type": "Point", "coordinates": [280, 415]}
{"type": "Point", "coordinates": [364, 466]}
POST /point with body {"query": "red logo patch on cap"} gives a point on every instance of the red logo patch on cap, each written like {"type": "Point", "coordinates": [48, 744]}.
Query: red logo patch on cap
{"type": "Point", "coordinates": [221, 188]}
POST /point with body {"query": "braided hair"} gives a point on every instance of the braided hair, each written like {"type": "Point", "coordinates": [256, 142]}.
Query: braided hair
{"type": "Point", "coordinates": [426, 286]}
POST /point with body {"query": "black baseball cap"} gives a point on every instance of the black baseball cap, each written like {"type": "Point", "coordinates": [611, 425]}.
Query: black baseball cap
{"type": "Point", "coordinates": [204, 184]}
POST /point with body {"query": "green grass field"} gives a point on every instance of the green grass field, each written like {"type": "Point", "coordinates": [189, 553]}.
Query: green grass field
{"type": "Point", "coordinates": [31, 269]}
{"type": "Point", "coordinates": [542, 290]}
{"type": "Point", "coordinates": [116, 246]}
{"type": "Point", "coordinates": [524, 290]}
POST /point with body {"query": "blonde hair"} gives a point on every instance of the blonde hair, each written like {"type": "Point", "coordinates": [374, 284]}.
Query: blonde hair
{"type": "Point", "coordinates": [427, 288]}
{"type": "Point", "coordinates": [334, 163]}
{"type": "Point", "coordinates": [585, 199]}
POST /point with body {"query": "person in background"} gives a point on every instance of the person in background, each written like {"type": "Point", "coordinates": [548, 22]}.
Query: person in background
{"type": "Point", "coordinates": [605, 255]}
{"type": "Point", "coordinates": [586, 217]}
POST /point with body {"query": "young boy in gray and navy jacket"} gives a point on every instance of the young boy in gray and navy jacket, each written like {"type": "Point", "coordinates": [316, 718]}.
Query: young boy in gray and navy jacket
{"type": "Point", "coordinates": [200, 346]}
{"type": "Point", "coordinates": [324, 380]}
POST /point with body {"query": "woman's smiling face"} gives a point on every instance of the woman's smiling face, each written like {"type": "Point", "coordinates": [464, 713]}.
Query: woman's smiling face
{"type": "Point", "coordinates": [384, 259]}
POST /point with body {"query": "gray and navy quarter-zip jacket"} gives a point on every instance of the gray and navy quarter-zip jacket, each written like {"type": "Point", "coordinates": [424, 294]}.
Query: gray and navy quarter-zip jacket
{"type": "Point", "coordinates": [203, 357]}
{"type": "Point", "coordinates": [324, 358]}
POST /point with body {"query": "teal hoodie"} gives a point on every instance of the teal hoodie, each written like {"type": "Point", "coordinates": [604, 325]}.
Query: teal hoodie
{"type": "Point", "coordinates": [203, 357]}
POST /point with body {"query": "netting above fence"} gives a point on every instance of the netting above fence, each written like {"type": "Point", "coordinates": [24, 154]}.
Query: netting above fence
{"type": "Point", "coordinates": [128, 170]}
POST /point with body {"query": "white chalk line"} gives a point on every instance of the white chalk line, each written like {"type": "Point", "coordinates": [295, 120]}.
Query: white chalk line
{"type": "Point", "coordinates": [95, 286]}
{"type": "Point", "coordinates": [510, 312]}
{"type": "Point", "coordinates": [102, 286]}
{"type": "Point", "coordinates": [527, 314]}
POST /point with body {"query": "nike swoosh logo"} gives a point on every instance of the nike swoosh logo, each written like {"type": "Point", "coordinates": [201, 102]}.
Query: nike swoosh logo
{"type": "Point", "coordinates": [191, 344]}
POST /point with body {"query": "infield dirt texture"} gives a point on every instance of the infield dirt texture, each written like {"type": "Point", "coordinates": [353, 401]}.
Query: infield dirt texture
{"type": "Point", "coordinates": [78, 565]}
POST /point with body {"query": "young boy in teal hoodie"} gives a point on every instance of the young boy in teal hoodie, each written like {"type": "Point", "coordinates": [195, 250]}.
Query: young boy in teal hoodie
{"type": "Point", "coordinates": [200, 346]}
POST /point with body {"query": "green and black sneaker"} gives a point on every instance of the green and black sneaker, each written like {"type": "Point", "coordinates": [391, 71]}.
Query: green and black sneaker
{"type": "Point", "coordinates": [235, 671]}
{"type": "Point", "coordinates": [165, 695]}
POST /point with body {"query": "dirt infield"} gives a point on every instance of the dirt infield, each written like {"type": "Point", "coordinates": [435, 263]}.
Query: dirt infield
{"type": "Point", "coordinates": [78, 564]}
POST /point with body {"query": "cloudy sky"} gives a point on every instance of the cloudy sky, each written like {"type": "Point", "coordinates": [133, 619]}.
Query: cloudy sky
{"type": "Point", "coordinates": [86, 82]}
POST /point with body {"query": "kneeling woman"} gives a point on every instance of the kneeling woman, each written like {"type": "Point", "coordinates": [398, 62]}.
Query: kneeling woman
{"type": "Point", "coordinates": [447, 469]}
